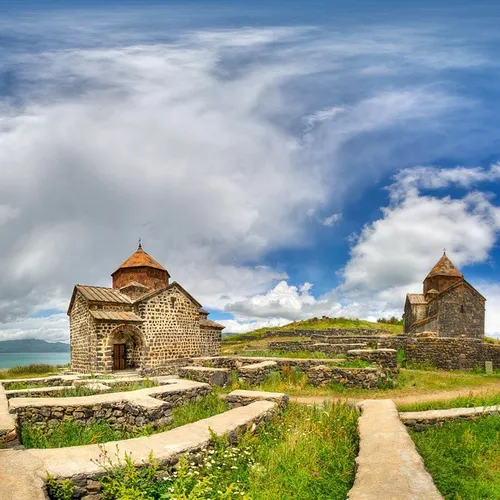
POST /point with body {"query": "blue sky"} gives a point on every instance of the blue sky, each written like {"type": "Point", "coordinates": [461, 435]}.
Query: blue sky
{"type": "Point", "coordinates": [283, 160]}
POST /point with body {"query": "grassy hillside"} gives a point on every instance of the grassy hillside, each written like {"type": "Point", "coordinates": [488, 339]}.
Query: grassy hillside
{"type": "Point", "coordinates": [326, 323]}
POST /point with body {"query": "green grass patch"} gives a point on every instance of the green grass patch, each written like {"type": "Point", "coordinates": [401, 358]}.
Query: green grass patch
{"type": "Point", "coordinates": [33, 370]}
{"type": "Point", "coordinates": [71, 433]}
{"type": "Point", "coordinates": [469, 401]}
{"type": "Point", "coordinates": [463, 458]}
{"type": "Point", "coordinates": [303, 453]}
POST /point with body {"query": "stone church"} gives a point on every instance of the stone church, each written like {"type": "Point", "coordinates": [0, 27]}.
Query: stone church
{"type": "Point", "coordinates": [449, 306]}
{"type": "Point", "coordinates": [142, 322]}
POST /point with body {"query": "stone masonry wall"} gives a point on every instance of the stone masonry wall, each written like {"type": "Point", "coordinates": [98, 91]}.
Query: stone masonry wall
{"type": "Point", "coordinates": [172, 329]}
{"type": "Point", "coordinates": [492, 353]}
{"type": "Point", "coordinates": [365, 378]}
{"type": "Point", "coordinates": [461, 312]}
{"type": "Point", "coordinates": [119, 413]}
{"type": "Point", "coordinates": [447, 353]}
{"type": "Point", "coordinates": [254, 374]}
{"type": "Point", "coordinates": [82, 337]}
{"type": "Point", "coordinates": [387, 359]}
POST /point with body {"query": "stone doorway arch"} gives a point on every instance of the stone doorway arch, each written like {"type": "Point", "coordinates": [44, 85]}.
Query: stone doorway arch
{"type": "Point", "coordinates": [126, 348]}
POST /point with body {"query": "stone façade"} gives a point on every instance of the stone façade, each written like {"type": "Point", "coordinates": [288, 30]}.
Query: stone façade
{"type": "Point", "coordinates": [155, 321]}
{"type": "Point", "coordinates": [449, 306]}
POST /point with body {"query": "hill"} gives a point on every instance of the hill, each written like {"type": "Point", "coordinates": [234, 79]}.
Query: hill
{"type": "Point", "coordinates": [32, 345]}
{"type": "Point", "coordinates": [326, 323]}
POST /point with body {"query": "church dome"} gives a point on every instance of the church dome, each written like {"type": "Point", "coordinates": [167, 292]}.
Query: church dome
{"type": "Point", "coordinates": [444, 267]}
{"type": "Point", "coordinates": [141, 268]}
{"type": "Point", "coordinates": [441, 276]}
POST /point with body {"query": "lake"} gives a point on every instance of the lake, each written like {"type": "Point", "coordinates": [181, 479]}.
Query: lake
{"type": "Point", "coordinates": [8, 359]}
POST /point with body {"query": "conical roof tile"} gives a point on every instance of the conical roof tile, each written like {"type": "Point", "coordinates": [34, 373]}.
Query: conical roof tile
{"type": "Point", "coordinates": [444, 267]}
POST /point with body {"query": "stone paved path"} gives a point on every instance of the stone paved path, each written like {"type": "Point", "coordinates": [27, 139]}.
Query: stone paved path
{"type": "Point", "coordinates": [388, 465]}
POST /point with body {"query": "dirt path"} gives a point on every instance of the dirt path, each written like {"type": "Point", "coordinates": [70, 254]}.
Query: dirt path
{"type": "Point", "coordinates": [408, 398]}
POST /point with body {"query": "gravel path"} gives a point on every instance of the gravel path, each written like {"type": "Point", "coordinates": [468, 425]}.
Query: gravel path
{"type": "Point", "coordinates": [409, 398]}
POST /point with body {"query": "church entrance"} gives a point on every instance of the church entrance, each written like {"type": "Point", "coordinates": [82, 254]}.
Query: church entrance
{"type": "Point", "coordinates": [126, 348]}
{"type": "Point", "coordinates": [119, 356]}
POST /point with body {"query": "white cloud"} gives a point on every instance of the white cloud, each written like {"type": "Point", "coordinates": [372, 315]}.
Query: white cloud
{"type": "Point", "coordinates": [235, 326]}
{"type": "Point", "coordinates": [401, 247]}
{"type": "Point", "coordinates": [332, 220]}
{"type": "Point", "coordinates": [410, 180]}
{"type": "Point", "coordinates": [199, 146]}
{"type": "Point", "coordinates": [7, 213]}
{"type": "Point", "coordinates": [53, 328]}
{"type": "Point", "coordinates": [283, 301]}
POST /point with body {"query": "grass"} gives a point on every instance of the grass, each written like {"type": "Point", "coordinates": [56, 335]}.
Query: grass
{"type": "Point", "coordinates": [33, 370]}
{"type": "Point", "coordinates": [325, 324]}
{"type": "Point", "coordinates": [463, 458]}
{"type": "Point", "coordinates": [19, 386]}
{"type": "Point", "coordinates": [71, 433]}
{"type": "Point", "coordinates": [302, 453]}
{"type": "Point", "coordinates": [469, 401]}
{"type": "Point", "coordinates": [81, 390]}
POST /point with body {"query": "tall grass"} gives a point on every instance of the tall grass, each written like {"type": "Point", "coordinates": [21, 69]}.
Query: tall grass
{"type": "Point", "coordinates": [302, 453]}
{"type": "Point", "coordinates": [32, 370]}
{"type": "Point", "coordinates": [463, 458]}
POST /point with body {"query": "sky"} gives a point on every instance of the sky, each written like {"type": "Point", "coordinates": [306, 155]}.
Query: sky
{"type": "Point", "coordinates": [282, 159]}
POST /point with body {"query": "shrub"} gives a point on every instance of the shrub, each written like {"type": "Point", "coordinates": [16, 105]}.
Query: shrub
{"type": "Point", "coordinates": [59, 490]}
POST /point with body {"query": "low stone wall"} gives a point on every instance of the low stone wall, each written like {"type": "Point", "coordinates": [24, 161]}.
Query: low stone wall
{"type": "Point", "coordinates": [449, 353]}
{"type": "Point", "coordinates": [364, 378]}
{"type": "Point", "coordinates": [313, 346]}
{"type": "Point", "coordinates": [80, 464]}
{"type": "Point", "coordinates": [122, 410]}
{"type": "Point", "coordinates": [256, 373]}
{"type": "Point", "coordinates": [169, 367]}
{"type": "Point", "coordinates": [387, 359]}
{"type": "Point", "coordinates": [219, 377]}
{"type": "Point", "coordinates": [492, 353]}
{"type": "Point", "coordinates": [243, 398]}
{"type": "Point", "coordinates": [420, 420]}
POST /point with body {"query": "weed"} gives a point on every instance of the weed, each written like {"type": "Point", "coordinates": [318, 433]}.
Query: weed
{"type": "Point", "coordinates": [462, 457]}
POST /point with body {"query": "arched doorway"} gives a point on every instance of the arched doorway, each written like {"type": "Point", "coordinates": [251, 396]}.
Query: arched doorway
{"type": "Point", "coordinates": [127, 347]}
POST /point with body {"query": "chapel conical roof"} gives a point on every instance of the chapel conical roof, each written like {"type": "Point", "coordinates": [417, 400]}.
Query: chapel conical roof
{"type": "Point", "coordinates": [141, 259]}
{"type": "Point", "coordinates": [444, 267]}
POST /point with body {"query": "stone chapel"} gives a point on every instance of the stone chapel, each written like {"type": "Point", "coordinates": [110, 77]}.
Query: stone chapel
{"type": "Point", "coordinates": [142, 322]}
{"type": "Point", "coordinates": [449, 306]}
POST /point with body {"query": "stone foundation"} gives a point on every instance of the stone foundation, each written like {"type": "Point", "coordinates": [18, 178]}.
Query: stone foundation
{"type": "Point", "coordinates": [364, 378]}
{"type": "Point", "coordinates": [219, 377]}
{"type": "Point", "coordinates": [123, 410]}
{"type": "Point", "coordinates": [243, 398]}
{"type": "Point", "coordinates": [256, 373]}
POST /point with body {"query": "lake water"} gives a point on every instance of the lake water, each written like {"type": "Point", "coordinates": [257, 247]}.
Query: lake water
{"type": "Point", "coordinates": [8, 359]}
